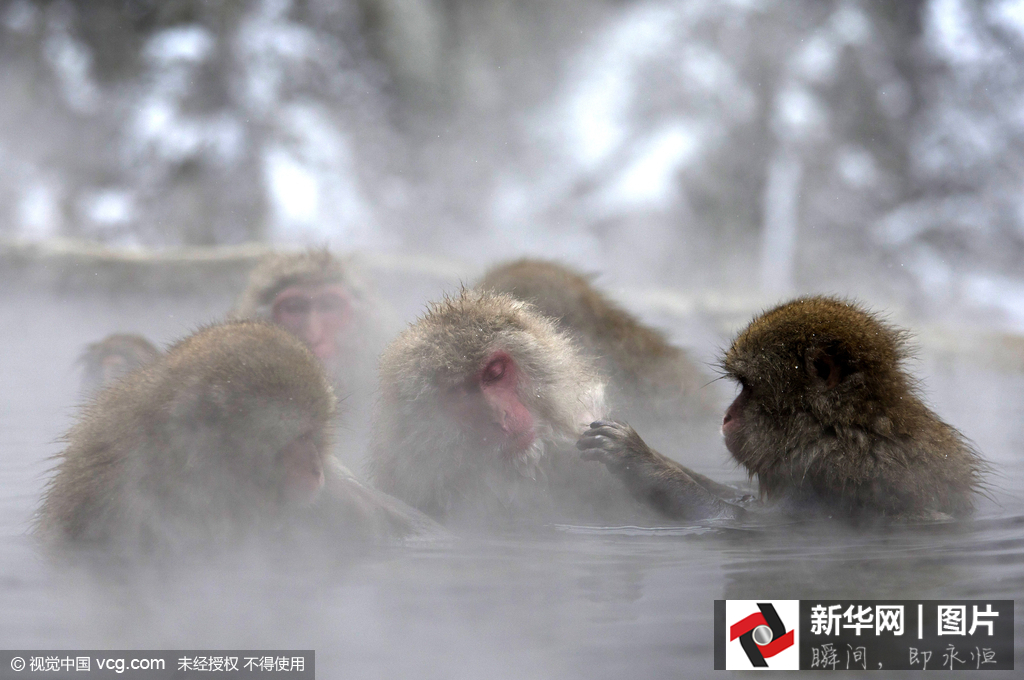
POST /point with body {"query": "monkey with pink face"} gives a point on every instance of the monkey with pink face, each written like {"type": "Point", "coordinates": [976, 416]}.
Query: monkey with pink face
{"type": "Point", "coordinates": [481, 403]}
{"type": "Point", "coordinates": [324, 302]}
{"type": "Point", "coordinates": [112, 358]}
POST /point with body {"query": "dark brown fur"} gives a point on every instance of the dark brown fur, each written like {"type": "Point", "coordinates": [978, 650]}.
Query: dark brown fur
{"type": "Point", "coordinates": [828, 415]}
{"type": "Point", "coordinates": [112, 358]}
{"type": "Point", "coordinates": [657, 481]}
{"type": "Point", "coordinates": [651, 381]}
{"type": "Point", "coordinates": [827, 419]}
{"type": "Point", "coordinates": [185, 453]}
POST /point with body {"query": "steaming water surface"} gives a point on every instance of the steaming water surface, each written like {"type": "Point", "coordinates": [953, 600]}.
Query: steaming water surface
{"type": "Point", "coordinates": [565, 602]}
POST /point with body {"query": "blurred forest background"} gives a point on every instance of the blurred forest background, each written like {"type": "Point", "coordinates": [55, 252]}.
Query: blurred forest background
{"type": "Point", "coordinates": [850, 146]}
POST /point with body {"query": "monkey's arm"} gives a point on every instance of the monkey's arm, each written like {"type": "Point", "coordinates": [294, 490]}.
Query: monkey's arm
{"type": "Point", "coordinates": [723, 491]}
{"type": "Point", "coordinates": [372, 511]}
{"type": "Point", "coordinates": [652, 478]}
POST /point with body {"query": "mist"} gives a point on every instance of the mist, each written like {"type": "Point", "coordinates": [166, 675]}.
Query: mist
{"type": "Point", "coordinates": [703, 160]}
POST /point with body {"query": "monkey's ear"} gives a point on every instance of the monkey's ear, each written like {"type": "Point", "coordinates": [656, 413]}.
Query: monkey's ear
{"type": "Point", "coordinates": [824, 367]}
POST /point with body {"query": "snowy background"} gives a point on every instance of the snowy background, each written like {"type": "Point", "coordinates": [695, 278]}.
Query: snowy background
{"type": "Point", "coordinates": [765, 147]}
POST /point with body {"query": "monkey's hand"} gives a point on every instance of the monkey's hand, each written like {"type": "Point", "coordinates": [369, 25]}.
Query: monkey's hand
{"type": "Point", "coordinates": [615, 444]}
{"type": "Point", "coordinates": [651, 478]}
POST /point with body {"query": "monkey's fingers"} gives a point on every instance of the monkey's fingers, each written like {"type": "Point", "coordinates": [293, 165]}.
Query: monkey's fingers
{"type": "Point", "coordinates": [610, 426]}
{"type": "Point", "coordinates": [612, 434]}
{"type": "Point", "coordinates": [597, 455]}
{"type": "Point", "coordinates": [612, 429]}
{"type": "Point", "coordinates": [595, 439]}
{"type": "Point", "coordinates": [599, 447]}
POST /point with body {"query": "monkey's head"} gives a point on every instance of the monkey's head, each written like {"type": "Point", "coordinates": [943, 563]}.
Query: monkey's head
{"type": "Point", "coordinates": [479, 385]}
{"type": "Point", "coordinates": [246, 416]}
{"type": "Point", "coordinates": [810, 368]}
{"type": "Point", "coordinates": [312, 295]}
{"type": "Point", "coordinates": [555, 289]}
{"type": "Point", "coordinates": [113, 357]}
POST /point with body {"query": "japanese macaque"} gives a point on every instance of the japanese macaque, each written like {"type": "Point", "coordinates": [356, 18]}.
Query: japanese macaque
{"type": "Point", "coordinates": [112, 358]}
{"type": "Point", "coordinates": [651, 382]}
{"type": "Point", "coordinates": [828, 418]}
{"type": "Point", "coordinates": [481, 403]}
{"type": "Point", "coordinates": [222, 439]}
{"type": "Point", "coordinates": [322, 301]}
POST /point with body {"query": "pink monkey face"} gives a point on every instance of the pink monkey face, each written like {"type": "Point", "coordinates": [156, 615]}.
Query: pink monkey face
{"type": "Point", "coordinates": [316, 314]}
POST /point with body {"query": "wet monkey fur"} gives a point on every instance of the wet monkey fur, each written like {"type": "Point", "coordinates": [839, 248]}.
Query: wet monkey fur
{"type": "Point", "coordinates": [828, 415]}
{"type": "Point", "coordinates": [222, 439]}
{"type": "Point", "coordinates": [482, 400]}
{"type": "Point", "coordinates": [827, 419]}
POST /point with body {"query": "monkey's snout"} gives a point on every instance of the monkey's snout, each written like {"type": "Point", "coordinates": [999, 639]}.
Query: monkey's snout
{"type": "Point", "coordinates": [731, 419]}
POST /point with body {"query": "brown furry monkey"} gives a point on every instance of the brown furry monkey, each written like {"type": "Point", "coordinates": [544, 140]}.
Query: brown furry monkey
{"type": "Point", "coordinates": [650, 381]}
{"type": "Point", "coordinates": [112, 358]}
{"type": "Point", "coordinates": [325, 302]}
{"type": "Point", "coordinates": [827, 417]}
{"type": "Point", "coordinates": [322, 300]}
{"type": "Point", "coordinates": [481, 402]}
{"type": "Point", "coordinates": [222, 439]}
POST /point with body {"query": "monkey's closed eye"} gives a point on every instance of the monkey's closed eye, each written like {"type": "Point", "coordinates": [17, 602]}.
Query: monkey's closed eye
{"type": "Point", "coordinates": [493, 372]}
{"type": "Point", "coordinates": [293, 305]}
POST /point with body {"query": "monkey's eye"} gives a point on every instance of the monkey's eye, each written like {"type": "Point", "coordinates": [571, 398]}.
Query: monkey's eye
{"type": "Point", "coordinates": [493, 372]}
{"type": "Point", "coordinates": [822, 368]}
{"type": "Point", "coordinates": [293, 305]}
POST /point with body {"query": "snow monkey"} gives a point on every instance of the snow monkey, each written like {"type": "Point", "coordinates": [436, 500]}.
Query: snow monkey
{"type": "Point", "coordinates": [651, 382]}
{"type": "Point", "coordinates": [222, 439]}
{"type": "Point", "coordinates": [321, 300]}
{"type": "Point", "coordinates": [112, 358]}
{"type": "Point", "coordinates": [827, 417]}
{"type": "Point", "coordinates": [482, 400]}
